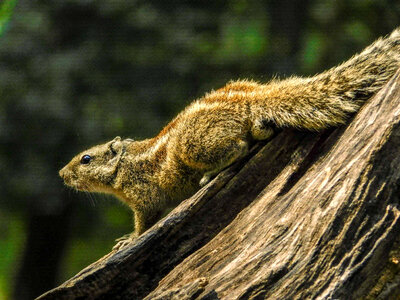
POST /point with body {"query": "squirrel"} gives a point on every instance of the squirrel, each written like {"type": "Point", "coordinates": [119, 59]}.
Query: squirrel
{"type": "Point", "coordinates": [216, 130]}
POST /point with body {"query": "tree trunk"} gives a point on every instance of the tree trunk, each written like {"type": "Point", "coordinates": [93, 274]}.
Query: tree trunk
{"type": "Point", "coordinates": [305, 216]}
{"type": "Point", "coordinates": [40, 263]}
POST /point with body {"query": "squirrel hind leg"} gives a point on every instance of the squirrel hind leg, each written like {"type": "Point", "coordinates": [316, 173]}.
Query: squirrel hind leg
{"type": "Point", "coordinates": [262, 129]}
{"type": "Point", "coordinates": [237, 151]}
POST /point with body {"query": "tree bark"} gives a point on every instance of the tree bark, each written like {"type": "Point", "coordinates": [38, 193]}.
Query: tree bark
{"type": "Point", "coordinates": [305, 216]}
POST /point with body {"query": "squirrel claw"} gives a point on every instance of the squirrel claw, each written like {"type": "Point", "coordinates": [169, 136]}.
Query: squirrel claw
{"type": "Point", "coordinates": [123, 242]}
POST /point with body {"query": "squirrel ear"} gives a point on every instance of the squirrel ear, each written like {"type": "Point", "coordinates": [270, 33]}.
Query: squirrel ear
{"type": "Point", "coordinates": [116, 145]}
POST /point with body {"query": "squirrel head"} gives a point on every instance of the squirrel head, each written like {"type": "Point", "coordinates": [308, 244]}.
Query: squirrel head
{"type": "Point", "coordinates": [95, 169]}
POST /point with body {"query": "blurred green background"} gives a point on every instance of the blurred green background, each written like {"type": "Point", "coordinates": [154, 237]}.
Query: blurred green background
{"type": "Point", "coordinates": [74, 73]}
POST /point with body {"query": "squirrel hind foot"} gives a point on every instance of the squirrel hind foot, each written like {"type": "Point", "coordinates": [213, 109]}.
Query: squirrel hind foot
{"type": "Point", "coordinates": [205, 179]}
{"type": "Point", "coordinates": [240, 150]}
{"type": "Point", "coordinates": [262, 129]}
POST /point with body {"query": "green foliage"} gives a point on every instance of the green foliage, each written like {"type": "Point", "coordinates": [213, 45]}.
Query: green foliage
{"type": "Point", "coordinates": [12, 237]}
{"type": "Point", "coordinates": [313, 51]}
{"type": "Point", "coordinates": [110, 221]}
{"type": "Point", "coordinates": [242, 39]}
{"type": "Point", "coordinates": [6, 9]}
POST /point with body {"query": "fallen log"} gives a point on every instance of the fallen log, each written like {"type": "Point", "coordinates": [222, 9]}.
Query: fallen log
{"type": "Point", "coordinates": [305, 215]}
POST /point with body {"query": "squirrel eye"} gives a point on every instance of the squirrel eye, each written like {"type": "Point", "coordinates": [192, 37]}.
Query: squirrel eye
{"type": "Point", "coordinates": [85, 159]}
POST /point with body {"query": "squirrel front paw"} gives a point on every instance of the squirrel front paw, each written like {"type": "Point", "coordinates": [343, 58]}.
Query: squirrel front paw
{"type": "Point", "coordinates": [124, 241]}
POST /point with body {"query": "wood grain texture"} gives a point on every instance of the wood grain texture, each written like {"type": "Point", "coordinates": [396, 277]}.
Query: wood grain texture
{"type": "Point", "coordinates": [306, 215]}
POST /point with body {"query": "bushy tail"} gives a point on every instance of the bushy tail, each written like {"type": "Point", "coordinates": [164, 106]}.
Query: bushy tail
{"type": "Point", "coordinates": [328, 98]}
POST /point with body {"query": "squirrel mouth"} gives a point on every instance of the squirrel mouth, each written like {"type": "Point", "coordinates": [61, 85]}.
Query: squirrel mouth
{"type": "Point", "coordinates": [71, 180]}
{"type": "Point", "coordinates": [81, 186]}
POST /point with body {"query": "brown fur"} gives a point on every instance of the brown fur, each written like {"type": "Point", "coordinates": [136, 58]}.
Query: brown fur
{"type": "Point", "coordinates": [216, 130]}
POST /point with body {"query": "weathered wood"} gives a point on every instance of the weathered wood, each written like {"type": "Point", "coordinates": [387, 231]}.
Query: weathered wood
{"type": "Point", "coordinates": [307, 216]}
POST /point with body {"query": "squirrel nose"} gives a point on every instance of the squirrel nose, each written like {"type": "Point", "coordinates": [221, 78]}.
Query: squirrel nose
{"type": "Point", "coordinates": [62, 172]}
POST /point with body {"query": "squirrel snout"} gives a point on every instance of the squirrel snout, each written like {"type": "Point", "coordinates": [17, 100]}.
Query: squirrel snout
{"type": "Point", "coordinates": [63, 173]}
{"type": "Point", "coordinates": [67, 175]}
